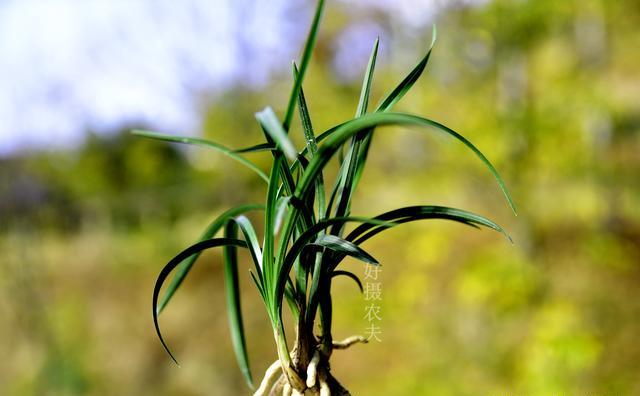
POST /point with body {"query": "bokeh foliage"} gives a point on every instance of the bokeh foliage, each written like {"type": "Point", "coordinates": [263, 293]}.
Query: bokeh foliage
{"type": "Point", "coordinates": [548, 90]}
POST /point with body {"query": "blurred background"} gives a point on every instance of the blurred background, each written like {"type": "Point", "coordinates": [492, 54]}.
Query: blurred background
{"type": "Point", "coordinates": [548, 90]}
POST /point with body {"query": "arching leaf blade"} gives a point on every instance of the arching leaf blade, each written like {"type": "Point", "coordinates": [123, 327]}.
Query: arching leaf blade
{"type": "Point", "coordinates": [203, 143]}
{"type": "Point", "coordinates": [346, 182]}
{"type": "Point", "coordinates": [407, 83]}
{"type": "Point", "coordinates": [234, 310]}
{"type": "Point", "coordinates": [256, 148]}
{"type": "Point", "coordinates": [350, 275]}
{"type": "Point", "coordinates": [340, 245]}
{"type": "Point", "coordinates": [253, 243]}
{"type": "Point", "coordinates": [305, 119]}
{"type": "Point", "coordinates": [421, 212]}
{"type": "Point", "coordinates": [270, 123]}
{"type": "Point", "coordinates": [414, 213]}
{"type": "Point", "coordinates": [365, 92]}
{"type": "Point", "coordinates": [269, 222]}
{"type": "Point", "coordinates": [289, 295]}
{"type": "Point", "coordinates": [329, 147]}
{"type": "Point", "coordinates": [208, 233]}
{"type": "Point", "coordinates": [303, 240]}
{"type": "Point", "coordinates": [173, 263]}
{"type": "Point", "coordinates": [304, 63]}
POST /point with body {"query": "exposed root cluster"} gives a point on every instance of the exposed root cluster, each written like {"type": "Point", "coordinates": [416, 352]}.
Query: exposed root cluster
{"type": "Point", "coordinates": [318, 379]}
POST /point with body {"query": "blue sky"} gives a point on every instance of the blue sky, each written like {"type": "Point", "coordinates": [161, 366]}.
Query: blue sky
{"type": "Point", "coordinates": [70, 66]}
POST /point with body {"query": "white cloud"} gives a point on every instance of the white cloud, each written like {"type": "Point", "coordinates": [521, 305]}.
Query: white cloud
{"type": "Point", "coordinates": [68, 66]}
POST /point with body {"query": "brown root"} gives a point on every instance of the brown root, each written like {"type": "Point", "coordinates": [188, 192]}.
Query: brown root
{"type": "Point", "coordinates": [308, 375]}
{"type": "Point", "coordinates": [349, 341]}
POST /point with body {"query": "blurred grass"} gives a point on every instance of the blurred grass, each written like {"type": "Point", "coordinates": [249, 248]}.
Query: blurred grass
{"type": "Point", "coordinates": [548, 90]}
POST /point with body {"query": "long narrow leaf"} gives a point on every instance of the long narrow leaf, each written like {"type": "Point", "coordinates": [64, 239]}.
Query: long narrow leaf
{"type": "Point", "coordinates": [351, 275]}
{"type": "Point", "coordinates": [269, 121]}
{"type": "Point", "coordinates": [269, 226]}
{"type": "Point", "coordinates": [258, 285]}
{"type": "Point", "coordinates": [415, 213]}
{"type": "Point", "coordinates": [173, 263]}
{"type": "Point", "coordinates": [234, 311]}
{"type": "Point", "coordinates": [406, 84]}
{"type": "Point", "coordinates": [302, 272]}
{"type": "Point", "coordinates": [302, 241]}
{"type": "Point", "coordinates": [346, 179]}
{"type": "Point", "coordinates": [335, 140]}
{"type": "Point", "coordinates": [304, 63]}
{"type": "Point", "coordinates": [289, 295]}
{"type": "Point", "coordinates": [326, 316]}
{"type": "Point", "coordinates": [410, 213]}
{"type": "Point", "coordinates": [386, 105]}
{"type": "Point", "coordinates": [307, 127]}
{"type": "Point", "coordinates": [340, 135]}
{"type": "Point", "coordinates": [311, 143]}
{"type": "Point", "coordinates": [252, 241]}
{"type": "Point", "coordinates": [365, 92]}
{"type": "Point", "coordinates": [281, 209]}
{"type": "Point", "coordinates": [275, 133]}
{"type": "Point", "coordinates": [256, 148]}
{"type": "Point", "coordinates": [208, 233]}
{"type": "Point", "coordinates": [340, 245]}
{"type": "Point", "coordinates": [203, 143]}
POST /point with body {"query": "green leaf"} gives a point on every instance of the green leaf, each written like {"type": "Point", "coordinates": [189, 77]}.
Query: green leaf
{"type": "Point", "coordinates": [281, 210]}
{"type": "Point", "coordinates": [304, 63]}
{"type": "Point", "coordinates": [346, 179]}
{"type": "Point", "coordinates": [335, 140]}
{"type": "Point", "coordinates": [386, 105]}
{"type": "Point", "coordinates": [251, 238]}
{"type": "Point", "coordinates": [348, 274]}
{"type": "Point", "coordinates": [296, 249]}
{"type": "Point", "coordinates": [256, 148]}
{"type": "Point", "coordinates": [269, 226]}
{"type": "Point", "coordinates": [307, 127]}
{"type": "Point", "coordinates": [413, 213]}
{"type": "Point", "coordinates": [291, 301]}
{"type": "Point", "coordinates": [406, 84]}
{"type": "Point", "coordinates": [302, 271]}
{"type": "Point", "coordinates": [258, 285]}
{"type": "Point", "coordinates": [326, 316]}
{"type": "Point", "coordinates": [311, 144]}
{"type": "Point", "coordinates": [234, 312]}
{"type": "Point", "coordinates": [340, 245]}
{"type": "Point", "coordinates": [208, 233]}
{"type": "Point", "coordinates": [173, 263]}
{"type": "Point", "coordinates": [269, 121]}
{"type": "Point", "coordinates": [328, 148]}
{"type": "Point", "coordinates": [302, 241]}
{"type": "Point", "coordinates": [203, 143]}
{"type": "Point", "coordinates": [319, 289]}
{"type": "Point", "coordinates": [366, 83]}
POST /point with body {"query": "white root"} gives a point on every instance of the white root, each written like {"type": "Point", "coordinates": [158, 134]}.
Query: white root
{"type": "Point", "coordinates": [313, 376]}
{"type": "Point", "coordinates": [270, 376]}
{"type": "Point", "coordinates": [347, 342]}
{"type": "Point", "coordinates": [287, 390]}
{"type": "Point", "coordinates": [324, 387]}
{"type": "Point", "coordinates": [311, 370]}
{"type": "Point", "coordinates": [277, 383]}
